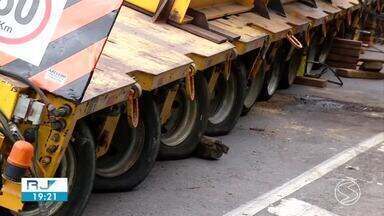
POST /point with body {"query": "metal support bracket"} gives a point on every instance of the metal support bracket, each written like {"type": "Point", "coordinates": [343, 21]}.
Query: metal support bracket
{"type": "Point", "coordinates": [260, 7]}
{"type": "Point", "coordinates": [163, 11]}
{"type": "Point", "coordinates": [324, 27]}
{"type": "Point", "coordinates": [167, 107]}
{"type": "Point", "coordinates": [259, 59]}
{"type": "Point", "coordinates": [308, 35]}
{"type": "Point", "coordinates": [310, 3]}
{"type": "Point", "coordinates": [106, 134]}
{"type": "Point", "coordinates": [277, 6]}
{"type": "Point", "coordinates": [213, 80]}
{"type": "Point", "coordinates": [202, 28]}
{"type": "Point", "coordinates": [349, 17]}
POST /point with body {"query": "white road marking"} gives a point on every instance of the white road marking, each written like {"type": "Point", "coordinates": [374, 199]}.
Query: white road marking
{"type": "Point", "coordinates": [295, 207]}
{"type": "Point", "coordinates": [253, 207]}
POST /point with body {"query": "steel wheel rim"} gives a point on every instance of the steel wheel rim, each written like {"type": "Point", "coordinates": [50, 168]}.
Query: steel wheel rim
{"type": "Point", "coordinates": [66, 169]}
{"type": "Point", "coordinates": [122, 156]}
{"type": "Point", "coordinates": [274, 78]}
{"type": "Point", "coordinates": [253, 89]}
{"type": "Point", "coordinates": [223, 99]}
{"type": "Point", "coordinates": [180, 125]}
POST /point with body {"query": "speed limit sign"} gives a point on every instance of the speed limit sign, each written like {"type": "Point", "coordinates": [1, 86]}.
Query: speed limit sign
{"type": "Point", "coordinates": [27, 26]}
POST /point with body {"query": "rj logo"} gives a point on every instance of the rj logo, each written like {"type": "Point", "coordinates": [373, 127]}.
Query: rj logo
{"type": "Point", "coordinates": [39, 186]}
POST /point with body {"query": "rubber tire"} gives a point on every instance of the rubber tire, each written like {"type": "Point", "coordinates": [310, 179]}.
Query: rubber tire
{"type": "Point", "coordinates": [85, 174]}
{"type": "Point", "coordinates": [188, 146]}
{"type": "Point", "coordinates": [287, 76]}
{"type": "Point", "coordinates": [261, 75]}
{"type": "Point", "coordinates": [149, 116]}
{"type": "Point", "coordinates": [313, 51]}
{"type": "Point", "coordinates": [226, 126]}
{"type": "Point", "coordinates": [265, 95]}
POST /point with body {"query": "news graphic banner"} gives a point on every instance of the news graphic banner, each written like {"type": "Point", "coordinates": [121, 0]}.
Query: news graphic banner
{"type": "Point", "coordinates": [26, 27]}
{"type": "Point", "coordinates": [44, 189]}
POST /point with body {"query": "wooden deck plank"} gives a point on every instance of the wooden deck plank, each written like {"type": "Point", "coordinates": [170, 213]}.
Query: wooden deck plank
{"type": "Point", "coordinates": [250, 39]}
{"type": "Point", "coordinates": [343, 4]}
{"type": "Point", "coordinates": [327, 7]}
{"type": "Point", "coordinates": [105, 80]}
{"type": "Point", "coordinates": [269, 25]}
{"type": "Point", "coordinates": [171, 38]}
{"type": "Point", "coordinates": [157, 54]}
{"type": "Point", "coordinates": [302, 11]}
{"type": "Point", "coordinates": [220, 10]}
{"type": "Point", "coordinates": [253, 29]}
{"type": "Point", "coordinates": [298, 24]}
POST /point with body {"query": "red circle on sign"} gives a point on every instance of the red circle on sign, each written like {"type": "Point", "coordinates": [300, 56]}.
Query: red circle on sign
{"type": "Point", "coordinates": [36, 32]}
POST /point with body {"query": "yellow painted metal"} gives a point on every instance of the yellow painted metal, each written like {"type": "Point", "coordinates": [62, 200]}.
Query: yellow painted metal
{"type": "Point", "coordinates": [8, 97]}
{"type": "Point", "coordinates": [213, 80]}
{"type": "Point", "coordinates": [180, 7]}
{"type": "Point", "coordinates": [178, 12]}
{"type": "Point", "coordinates": [11, 196]}
{"type": "Point", "coordinates": [2, 140]}
{"type": "Point", "coordinates": [106, 134]}
{"type": "Point", "coordinates": [209, 3]}
{"type": "Point", "coordinates": [166, 111]}
{"type": "Point", "coordinates": [303, 64]}
{"type": "Point", "coordinates": [148, 5]}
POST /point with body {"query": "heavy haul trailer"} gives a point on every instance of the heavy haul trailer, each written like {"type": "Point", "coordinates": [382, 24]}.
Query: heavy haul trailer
{"type": "Point", "coordinates": [327, 19]}
{"type": "Point", "coordinates": [241, 23]}
{"type": "Point", "coordinates": [57, 115]}
{"type": "Point", "coordinates": [323, 21]}
{"type": "Point", "coordinates": [173, 65]}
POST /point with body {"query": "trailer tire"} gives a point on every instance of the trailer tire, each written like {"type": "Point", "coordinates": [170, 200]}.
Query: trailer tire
{"type": "Point", "coordinates": [272, 78]}
{"type": "Point", "coordinates": [148, 133]}
{"type": "Point", "coordinates": [184, 145]}
{"type": "Point", "coordinates": [253, 90]}
{"type": "Point", "coordinates": [290, 69]}
{"type": "Point", "coordinates": [313, 51]}
{"type": "Point", "coordinates": [228, 114]}
{"type": "Point", "coordinates": [83, 159]}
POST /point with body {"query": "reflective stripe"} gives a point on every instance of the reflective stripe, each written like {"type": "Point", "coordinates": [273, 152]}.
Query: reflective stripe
{"type": "Point", "coordinates": [71, 2]}
{"type": "Point", "coordinates": [74, 49]}
{"type": "Point", "coordinates": [66, 68]}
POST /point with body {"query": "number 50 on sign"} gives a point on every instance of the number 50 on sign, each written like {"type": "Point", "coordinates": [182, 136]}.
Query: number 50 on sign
{"type": "Point", "coordinates": [27, 25]}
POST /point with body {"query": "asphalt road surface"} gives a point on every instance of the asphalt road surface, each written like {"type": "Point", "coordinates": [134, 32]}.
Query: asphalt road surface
{"type": "Point", "coordinates": [308, 151]}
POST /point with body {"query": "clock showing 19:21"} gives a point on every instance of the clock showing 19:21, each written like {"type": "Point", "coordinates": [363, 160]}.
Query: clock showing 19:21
{"type": "Point", "coordinates": [44, 190]}
{"type": "Point", "coordinates": [45, 197]}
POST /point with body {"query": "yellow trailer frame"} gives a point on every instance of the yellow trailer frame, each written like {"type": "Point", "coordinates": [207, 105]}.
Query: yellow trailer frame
{"type": "Point", "coordinates": [106, 89]}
